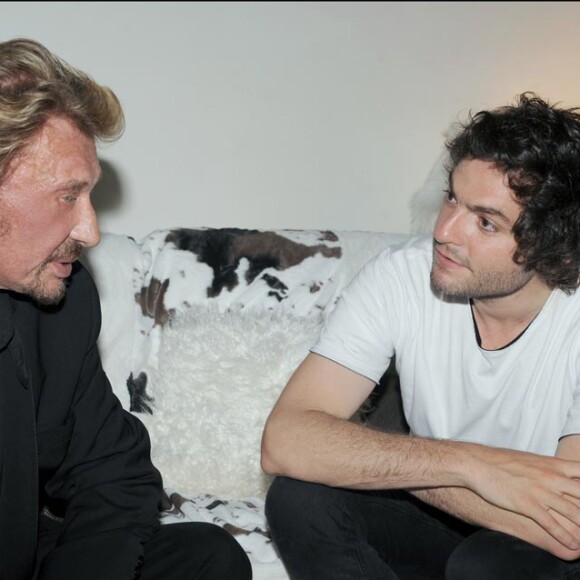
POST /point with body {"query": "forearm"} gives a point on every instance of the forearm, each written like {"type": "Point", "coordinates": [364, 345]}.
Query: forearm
{"type": "Point", "coordinates": [308, 436]}
{"type": "Point", "coordinates": [471, 508]}
{"type": "Point", "coordinates": [317, 447]}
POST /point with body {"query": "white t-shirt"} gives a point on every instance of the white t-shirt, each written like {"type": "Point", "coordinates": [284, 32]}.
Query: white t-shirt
{"type": "Point", "coordinates": [525, 396]}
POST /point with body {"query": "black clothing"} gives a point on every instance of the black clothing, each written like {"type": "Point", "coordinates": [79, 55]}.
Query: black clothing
{"type": "Point", "coordinates": [342, 534]}
{"type": "Point", "coordinates": [182, 551]}
{"type": "Point", "coordinates": [69, 453]}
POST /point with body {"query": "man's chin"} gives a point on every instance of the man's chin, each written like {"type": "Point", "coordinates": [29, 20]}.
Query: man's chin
{"type": "Point", "coordinates": [47, 295]}
{"type": "Point", "coordinates": [449, 288]}
{"type": "Point", "coordinates": [440, 282]}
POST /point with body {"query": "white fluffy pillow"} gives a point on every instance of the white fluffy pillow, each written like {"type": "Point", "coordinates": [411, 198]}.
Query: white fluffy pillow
{"type": "Point", "coordinates": [426, 201]}
{"type": "Point", "coordinates": [218, 376]}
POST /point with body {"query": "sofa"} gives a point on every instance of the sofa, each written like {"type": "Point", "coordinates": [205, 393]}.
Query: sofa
{"type": "Point", "coordinates": [201, 329]}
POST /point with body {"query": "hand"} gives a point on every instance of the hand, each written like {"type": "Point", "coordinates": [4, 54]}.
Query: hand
{"type": "Point", "coordinates": [544, 489]}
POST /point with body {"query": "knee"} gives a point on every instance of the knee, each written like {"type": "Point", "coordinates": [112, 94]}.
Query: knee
{"type": "Point", "coordinates": [212, 550]}
{"type": "Point", "coordinates": [488, 555]}
{"type": "Point", "coordinates": [226, 559]}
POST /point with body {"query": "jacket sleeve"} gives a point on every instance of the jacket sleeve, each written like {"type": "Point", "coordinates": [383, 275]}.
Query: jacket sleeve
{"type": "Point", "coordinates": [106, 483]}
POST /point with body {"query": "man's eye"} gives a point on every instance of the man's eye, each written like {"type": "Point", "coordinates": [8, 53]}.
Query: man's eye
{"type": "Point", "coordinates": [487, 225]}
{"type": "Point", "coordinates": [449, 196]}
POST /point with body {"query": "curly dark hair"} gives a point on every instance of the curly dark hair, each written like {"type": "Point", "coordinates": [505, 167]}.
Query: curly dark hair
{"type": "Point", "coordinates": [537, 145]}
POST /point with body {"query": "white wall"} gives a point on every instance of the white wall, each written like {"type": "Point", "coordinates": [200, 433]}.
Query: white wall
{"type": "Point", "coordinates": [295, 114]}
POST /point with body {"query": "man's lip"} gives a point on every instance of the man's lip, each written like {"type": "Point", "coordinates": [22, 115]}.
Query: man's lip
{"type": "Point", "coordinates": [445, 259]}
{"type": "Point", "coordinates": [64, 259]}
{"type": "Point", "coordinates": [62, 268]}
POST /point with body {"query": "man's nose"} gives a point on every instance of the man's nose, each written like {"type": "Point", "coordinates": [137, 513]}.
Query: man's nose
{"type": "Point", "coordinates": [86, 230]}
{"type": "Point", "coordinates": [448, 228]}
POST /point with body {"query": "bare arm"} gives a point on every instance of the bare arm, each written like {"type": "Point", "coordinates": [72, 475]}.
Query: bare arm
{"type": "Point", "coordinates": [468, 506]}
{"type": "Point", "coordinates": [308, 436]}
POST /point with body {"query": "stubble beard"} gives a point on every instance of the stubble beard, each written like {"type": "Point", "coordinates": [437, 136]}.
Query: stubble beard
{"type": "Point", "coordinates": [483, 285]}
{"type": "Point", "coordinates": [50, 292]}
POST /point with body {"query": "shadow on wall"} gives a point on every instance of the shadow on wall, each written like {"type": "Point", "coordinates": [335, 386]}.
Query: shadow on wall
{"type": "Point", "coordinates": [108, 193]}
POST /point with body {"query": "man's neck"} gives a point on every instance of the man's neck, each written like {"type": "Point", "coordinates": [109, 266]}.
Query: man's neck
{"type": "Point", "coordinates": [501, 320]}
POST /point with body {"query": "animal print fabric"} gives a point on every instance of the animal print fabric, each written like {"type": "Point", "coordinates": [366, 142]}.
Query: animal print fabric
{"type": "Point", "coordinates": [228, 268]}
{"type": "Point", "coordinates": [243, 518]}
{"type": "Point", "coordinates": [145, 285]}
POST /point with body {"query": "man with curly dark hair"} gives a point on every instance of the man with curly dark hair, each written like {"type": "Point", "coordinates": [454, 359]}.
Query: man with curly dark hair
{"type": "Point", "coordinates": [79, 496]}
{"type": "Point", "coordinates": [484, 320]}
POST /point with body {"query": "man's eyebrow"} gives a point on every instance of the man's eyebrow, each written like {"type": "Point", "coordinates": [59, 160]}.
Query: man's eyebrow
{"type": "Point", "coordinates": [482, 209]}
{"type": "Point", "coordinates": [490, 211]}
{"type": "Point", "coordinates": [75, 186]}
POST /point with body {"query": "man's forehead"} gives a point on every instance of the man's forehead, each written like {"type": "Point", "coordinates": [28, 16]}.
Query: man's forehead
{"type": "Point", "coordinates": [59, 152]}
{"type": "Point", "coordinates": [483, 187]}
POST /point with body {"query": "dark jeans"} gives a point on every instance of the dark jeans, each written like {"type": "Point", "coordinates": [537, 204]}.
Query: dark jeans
{"type": "Point", "coordinates": [325, 533]}
{"type": "Point", "coordinates": [186, 551]}
{"type": "Point", "coordinates": [194, 551]}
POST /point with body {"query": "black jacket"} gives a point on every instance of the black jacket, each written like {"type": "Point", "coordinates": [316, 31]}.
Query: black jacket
{"type": "Point", "coordinates": [67, 448]}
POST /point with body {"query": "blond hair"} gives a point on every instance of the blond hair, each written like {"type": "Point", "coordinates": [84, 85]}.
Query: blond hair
{"type": "Point", "coordinates": [36, 85]}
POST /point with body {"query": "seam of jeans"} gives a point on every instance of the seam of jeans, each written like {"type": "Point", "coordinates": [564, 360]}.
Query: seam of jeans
{"type": "Point", "coordinates": [353, 540]}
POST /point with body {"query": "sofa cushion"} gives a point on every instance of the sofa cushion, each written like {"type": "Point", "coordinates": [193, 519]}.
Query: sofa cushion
{"type": "Point", "coordinates": [217, 377]}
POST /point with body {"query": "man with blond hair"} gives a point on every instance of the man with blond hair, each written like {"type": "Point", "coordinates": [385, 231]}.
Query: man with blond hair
{"type": "Point", "coordinates": [79, 497]}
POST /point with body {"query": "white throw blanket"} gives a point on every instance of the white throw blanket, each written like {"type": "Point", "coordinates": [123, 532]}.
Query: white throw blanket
{"type": "Point", "coordinates": [207, 345]}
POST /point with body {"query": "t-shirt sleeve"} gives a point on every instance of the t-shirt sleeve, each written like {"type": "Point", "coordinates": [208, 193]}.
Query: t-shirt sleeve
{"type": "Point", "coordinates": [358, 333]}
{"type": "Point", "coordinates": [572, 426]}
